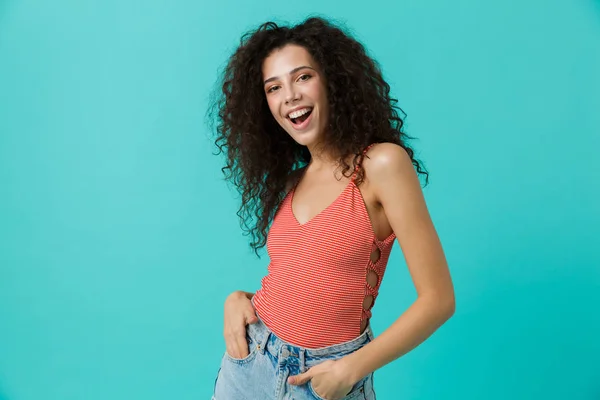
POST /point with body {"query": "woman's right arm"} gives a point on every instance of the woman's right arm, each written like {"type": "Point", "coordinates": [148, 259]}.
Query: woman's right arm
{"type": "Point", "coordinates": [238, 313]}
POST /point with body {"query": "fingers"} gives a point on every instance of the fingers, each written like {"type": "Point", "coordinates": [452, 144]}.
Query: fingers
{"type": "Point", "coordinates": [237, 347]}
{"type": "Point", "coordinates": [238, 352]}
{"type": "Point", "coordinates": [251, 318]}
{"type": "Point", "coordinates": [239, 343]}
{"type": "Point", "coordinates": [242, 346]}
{"type": "Point", "coordinates": [236, 343]}
{"type": "Point", "coordinates": [239, 313]}
{"type": "Point", "coordinates": [235, 338]}
{"type": "Point", "coordinates": [299, 379]}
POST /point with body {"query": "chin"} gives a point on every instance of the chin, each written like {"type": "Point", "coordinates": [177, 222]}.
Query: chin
{"type": "Point", "coordinates": [304, 140]}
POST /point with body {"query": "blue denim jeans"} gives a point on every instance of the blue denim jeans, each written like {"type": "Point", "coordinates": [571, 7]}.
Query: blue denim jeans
{"type": "Point", "coordinates": [263, 374]}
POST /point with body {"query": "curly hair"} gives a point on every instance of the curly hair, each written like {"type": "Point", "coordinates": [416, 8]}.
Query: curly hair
{"type": "Point", "coordinates": [260, 155]}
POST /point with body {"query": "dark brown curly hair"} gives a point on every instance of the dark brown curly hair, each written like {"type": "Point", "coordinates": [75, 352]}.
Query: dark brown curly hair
{"type": "Point", "coordinates": [260, 154]}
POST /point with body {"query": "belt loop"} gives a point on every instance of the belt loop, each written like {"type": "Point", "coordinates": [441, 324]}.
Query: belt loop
{"type": "Point", "coordinates": [302, 357]}
{"type": "Point", "coordinates": [370, 334]}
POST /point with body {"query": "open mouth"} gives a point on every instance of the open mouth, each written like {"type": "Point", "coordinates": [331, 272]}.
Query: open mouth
{"type": "Point", "coordinates": [300, 117]}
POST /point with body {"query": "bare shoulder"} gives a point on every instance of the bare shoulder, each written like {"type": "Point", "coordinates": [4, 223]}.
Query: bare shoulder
{"type": "Point", "coordinates": [387, 160]}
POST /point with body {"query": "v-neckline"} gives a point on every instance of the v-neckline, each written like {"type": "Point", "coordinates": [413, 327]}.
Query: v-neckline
{"type": "Point", "coordinates": [293, 192]}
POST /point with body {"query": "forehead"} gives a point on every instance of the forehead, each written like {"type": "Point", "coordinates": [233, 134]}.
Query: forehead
{"type": "Point", "coordinates": [281, 61]}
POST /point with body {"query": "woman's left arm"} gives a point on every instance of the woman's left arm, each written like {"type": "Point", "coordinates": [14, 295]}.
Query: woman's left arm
{"type": "Point", "coordinates": [393, 180]}
{"type": "Point", "coordinates": [395, 183]}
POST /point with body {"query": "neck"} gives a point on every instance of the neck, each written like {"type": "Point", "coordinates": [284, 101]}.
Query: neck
{"type": "Point", "coordinates": [320, 157]}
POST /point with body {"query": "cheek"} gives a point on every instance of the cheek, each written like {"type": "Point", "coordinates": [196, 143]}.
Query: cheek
{"type": "Point", "coordinates": [273, 108]}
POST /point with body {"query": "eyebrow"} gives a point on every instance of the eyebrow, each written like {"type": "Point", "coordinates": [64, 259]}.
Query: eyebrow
{"type": "Point", "coordinates": [289, 73]}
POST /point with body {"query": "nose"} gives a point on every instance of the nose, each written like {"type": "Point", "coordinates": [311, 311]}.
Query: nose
{"type": "Point", "coordinates": [291, 95]}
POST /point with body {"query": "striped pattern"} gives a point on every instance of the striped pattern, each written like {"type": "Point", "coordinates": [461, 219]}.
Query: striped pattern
{"type": "Point", "coordinates": [313, 293]}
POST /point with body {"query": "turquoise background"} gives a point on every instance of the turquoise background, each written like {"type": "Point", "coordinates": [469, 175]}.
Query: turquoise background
{"type": "Point", "coordinates": [119, 239]}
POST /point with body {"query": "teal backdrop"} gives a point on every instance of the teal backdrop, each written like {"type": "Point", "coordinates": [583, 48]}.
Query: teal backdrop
{"type": "Point", "coordinates": [119, 239]}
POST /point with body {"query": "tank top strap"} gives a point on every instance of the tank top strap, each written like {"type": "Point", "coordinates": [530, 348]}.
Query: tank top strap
{"type": "Point", "coordinates": [360, 160]}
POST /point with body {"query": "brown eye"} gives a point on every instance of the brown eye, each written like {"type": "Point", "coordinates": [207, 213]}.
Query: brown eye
{"type": "Point", "coordinates": [272, 89]}
{"type": "Point", "coordinates": [304, 77]}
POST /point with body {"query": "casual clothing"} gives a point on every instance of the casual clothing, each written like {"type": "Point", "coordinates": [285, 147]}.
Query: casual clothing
{"type": "Point", "coordinates": [317, 279]}
{"type": "Point", "coordinates": [263, 374]}
{"type": "Point", "coordinates": [310, 305]}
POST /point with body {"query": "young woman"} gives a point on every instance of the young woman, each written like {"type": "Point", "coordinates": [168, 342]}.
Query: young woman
{"type": "Point", "coordinates": [315, 145]}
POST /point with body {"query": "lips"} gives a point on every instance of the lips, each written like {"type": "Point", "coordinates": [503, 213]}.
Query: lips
{"type": "Point", "coordinates": [303, 124]}
{"type": "Point", "coordinates": [298, 112]}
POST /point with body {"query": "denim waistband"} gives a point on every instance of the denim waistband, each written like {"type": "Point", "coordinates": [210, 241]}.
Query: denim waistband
{"type": "Point", "coordinates": [267, 340]}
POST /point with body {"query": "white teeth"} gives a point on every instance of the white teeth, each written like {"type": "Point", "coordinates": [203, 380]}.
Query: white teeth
{"type": "Point", "coordinates": [299, 113]}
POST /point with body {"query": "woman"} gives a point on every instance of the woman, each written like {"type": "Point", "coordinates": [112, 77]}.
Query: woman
{"type": "Point", "coordinates": [314, 144]}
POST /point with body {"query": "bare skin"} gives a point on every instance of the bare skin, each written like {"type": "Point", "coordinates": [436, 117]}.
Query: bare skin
{"type": "Point", "coordinates": [238, 312]}
{"type": "Point", "coordinates": [317, 190]}
{"type": "Point", "coordinates": [395, 203]}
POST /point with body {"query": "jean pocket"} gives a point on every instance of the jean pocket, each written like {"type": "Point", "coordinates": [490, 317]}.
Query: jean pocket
{"type": "Point", "coordinates": [357, 392]}
{"type": "Point", "coordinates": [251, 355]}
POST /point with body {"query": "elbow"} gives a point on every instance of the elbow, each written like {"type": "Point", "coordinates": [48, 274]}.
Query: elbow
{"type": "Point", "coordinates": [447, 303]}
{"type": "Point", "coordinates": [449, 306]}
{"type": "Point", "coordinates": [442, 305]}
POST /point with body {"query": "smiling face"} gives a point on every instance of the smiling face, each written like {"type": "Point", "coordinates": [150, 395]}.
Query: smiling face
{"type": "Point", "coordinates": [296, 93]}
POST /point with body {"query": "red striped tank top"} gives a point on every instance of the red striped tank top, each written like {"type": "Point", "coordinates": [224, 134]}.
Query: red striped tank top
{"type": "Point", "coordinates": [312, 295]}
